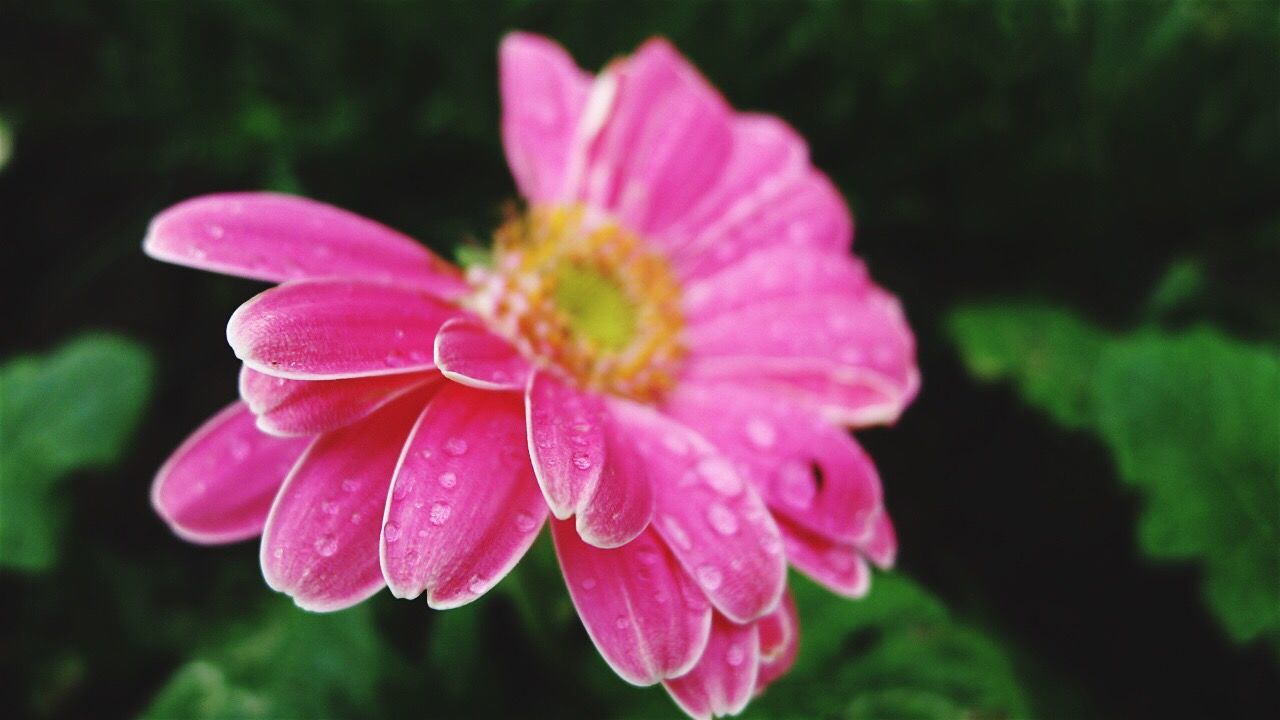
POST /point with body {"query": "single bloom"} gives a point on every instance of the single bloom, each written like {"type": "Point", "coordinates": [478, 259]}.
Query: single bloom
{"type": "Point", "coordinates": [662, 362]}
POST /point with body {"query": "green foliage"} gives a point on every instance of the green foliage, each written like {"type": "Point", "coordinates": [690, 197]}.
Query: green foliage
{"type": "Point", "coordinates": [1193, 421]}
{"type": "Point", "coordinates": [283, 663]}
{"type": "Point", "coordinates": [71, 410]}
{"type": "Point", "coordinates": [898, 653]}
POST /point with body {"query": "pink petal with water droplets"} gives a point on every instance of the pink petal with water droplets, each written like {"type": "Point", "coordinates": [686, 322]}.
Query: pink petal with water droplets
{"type": "Point", "coordinates": [621, 505]}
{"type": "Point", "coordinates": [836, 566]}
{"type": "Point", "coordinates": [881, 545]}
{"type": "Point", "coordinates": [466, 352]}
{"type": "Point", "coordinates": [852, 354]}
{"type": "Point", "coordinates": [772, 274]}
{"type": "Point", "coordinates": [334, 329]}
{"type": "Point", "coordinates": [779, 642]}
{"type": "Point", "coordinates": [277, 238]}
{"type": "Point", "coordinates": [714, 521]}
{"type": "Point", "coordinates": [724, 680]}
{"type": "Point", "coordinates": [311, 407]}
{"type": "Point", "coordinates": [543, 98]}
{"type": "Point", "coordinates": [320, 545]}
{"type": "Point", "coordinates": [217, 487]}
{"type": "Point", "coordinates": [645, 615]}
{"type": "Point", "coordinates": [805, 468]}
{"type": "Point", "coordinates": [666, 140]}
{"type": "Point", "coordinates": [464, 504]}
{"type": "Point", "coordinates": [566, 441]}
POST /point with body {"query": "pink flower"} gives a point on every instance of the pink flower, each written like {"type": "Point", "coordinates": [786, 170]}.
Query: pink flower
{"type": "Point", "coordinates": [664, 357]}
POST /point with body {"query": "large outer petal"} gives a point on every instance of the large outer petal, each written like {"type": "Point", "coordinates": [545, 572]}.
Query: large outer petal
{"type": "Point", "coordinates": [772, 274]}
{"type": "Point", "coordinates": [466, 352]}
{"type": "Point", "coordinates": [714, 521]}
{"type": "Point", "coordinates": [217, 487]}
{"type": "Point", "coordinates": [464, 504]}
{"type": "Point", "coordinates": [664, 143]}
{"type": "Point", "coordinates": [646, 616]}
{"type": "Point", "coordinates": [320, 545]}
{"type": "Point", "coordinates": [850, 354]}
{"type": "Point", "coordinates": [807, 469]}
{"type": "Point", "coordinates": [335, 329]}
{"type": "Point", "coordinates": [835, 565]}
{"type": "Point", "coordinates": [724, 679]}
{"type": "Point", "coordinates": [543, 98]}
{"type": "Point", "coordinates": [310, 407]}
{"type": "Point", "coordinates": [277, 238]}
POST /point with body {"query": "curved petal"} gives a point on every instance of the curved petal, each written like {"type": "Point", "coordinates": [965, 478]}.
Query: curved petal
{"type": "Point", "coordinates": [714, 521]}
{"type": "Point", "coordinates": [320, 545]}
{"type": "Point", "coordinates": [836, 566]}
{"type": "Point", "coordinates": [466, 352]}
{"type": "Point", "coordinates": [566, 441]}
{"type": "Point", "coordinates": [664, 143]}
{"type": "Point", "coordinates": [464, 504]}
{"type": "Point", "coordinates": [724, 679]}
{"type": "Point", "coordinates": [334, 329]}
{"type": "Point", "coordinates": [543, 98]}
{"type": "Point", "coordinates": [851, 354]}
{"type": "Point", "coordinates": [311, 407]}
{"type": "Point", "coordinates": [277, 238]}
{"type": "Point", "coordinates": [772, 274]}
{"type": "Point", "coordinates": [643, 612]}
{"type": "Point", "coordinates": [806, 469]}
{"type": "Point", "coordinates": [880, 546]}
{"type": "Point", "coordinates": [621, 505]}
{"type": "Point", "coordinates": [217, 487]}
{"type": "Point", "coordinates": [779, 642]}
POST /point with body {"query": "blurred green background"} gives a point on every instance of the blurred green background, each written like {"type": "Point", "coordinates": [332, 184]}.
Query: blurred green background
{"type": "Point", "coordinates": [1078, 203]}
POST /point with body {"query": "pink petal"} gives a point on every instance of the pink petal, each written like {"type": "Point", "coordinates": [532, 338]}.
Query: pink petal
{"type": "Point", "coordinates": [334, 329]}
{"type": "Point", "coordinates": [466, 352]}
{"type": "Point", "coordinates": [217, 487]}
{"type": "Point", "coordinates": [772, 274]}
{"type": "Point", "coordinates": [724, 679]}
{"type": "Point", "coordinates": [622, 504]}
{"type": "Point", "coordinates": [464, 504]}
{"type": "Point", "coordinates": [805, 468]}
{"type": "Point", "coordinates": [807, 214]}
{"type": "Point", "coordinates": [566, 441]}
{"type": "Point", "coordinates": [543, 97]}
{"type": "Point", "coordinates": [851, 355]}
{"type": "Point", "coordinates": [714, 521]}
{"type": "Point", "coordinates": [836, 566]}
{"type": "Point", "coordinates": [779, 642]}
{"type": "Point", "coordinates": [880, 546]}
{"type": "Point", "coordinates": [274, 237]}
{"type": "Point", "coordinates": [310, 407]}
{"type": "Point", "coordinates": [645, 615]}
{"type": "Point", "coordinates": [665, 142]}
{"type": "Point", "coordinates": [320, 545]}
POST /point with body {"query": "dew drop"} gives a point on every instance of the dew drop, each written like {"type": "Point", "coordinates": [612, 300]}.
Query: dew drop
{"type": "Point", "coordinates": [455, 446]}
{"type": "Point", "coordinates": [350, 485]}
{"type": "Point", "coordinates": [391, 532]}
{"type": "Point", "coordinates": [622, 623]}
{"type": "Point", "coordinates": [720, 475]}
{"type": "Point", "coordinates": [710, 577]}
{"type": "Point", "coordinates": [355, 518]}
{"type": "Point", "coordinates": [795, 485]}
{"type": "Point", "coordinates": [215, 231]}
{"type": "Point", "coordinates": [581, 461]}
{"type": "Point", "coordinates": [240, 449]}
{"type": "Point", "coordinates": [588, 583]}
{"type": "Point", "coordinates": [277, 553]}
{"type": "Point", "coordinates": [476, 586]}
{"type": "Point", "coordinates": [395, 358]}
{"type": "Point", "coordinates": [722, 519]}
{"type": "Point", "coordinates": [440, 513]}
{"type": "Point", "coordinates": [425, 453]}
{"type": "Point", "coordinates": [649, 557]}
{"type": "Point", "coordinates": [525, 522]}
{"type": "Point", "coordinates": [761, 433]}
{"type": "Point", "coordinates": [327, 545]}
{"type": "Point", "coordinates": [676, 533]}
{"type": "Point", "coordinates": [448, 479]}
{"type": "Point", "coordinates": [329, 507]}
{"type": "Point", "coordinates": [736, 655]}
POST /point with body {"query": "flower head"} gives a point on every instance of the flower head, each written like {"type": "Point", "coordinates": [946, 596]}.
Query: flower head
{"type": "Point", "coordinates": [663, 358]}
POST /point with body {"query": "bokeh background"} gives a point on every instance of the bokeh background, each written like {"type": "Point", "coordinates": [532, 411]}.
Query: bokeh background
{"type": "Point", "coordinates": [1078, 203]}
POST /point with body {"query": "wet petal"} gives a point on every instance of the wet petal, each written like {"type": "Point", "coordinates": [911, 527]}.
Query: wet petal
{"type": "Point", "coordinates": [779, 642]}
{"type": "Point", "coordinates": [310, 407]}
{"type": "Point", "coordinates": [714, 521]}
{"type": "Point", "coordinates": [642, 611]}
{"type": "Point", "coordinates": [880, 546]}
{"type": "Point", "coordinates": [839, 567]}
{"type": "Point", "coordinates": [464, 504]}
{"type": "Point", "coordinates": [320, 545]}
{"type": "Point", "coordinates": [218, 486]}
{"type": "Point", "coordinates": [566, 441]}
{"type": "Point", "coordinates": [772, 274]}
{"type": "Point", "coordinates": [333, 329]}
{"type": "Point", "coordinates": [277, 238]}
{"type": "Point", "coordinates": [466, 352]}
{"type": "Point", "coordinates": [724, 679]}
{"type": "Point", "coordinates": [621, 505]}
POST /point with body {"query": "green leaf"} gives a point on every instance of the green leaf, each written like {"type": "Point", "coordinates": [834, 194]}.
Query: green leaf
{"type": "Point", "coordinates": [286, 664]}
{"type": "Point", "coordinates": [897, 653]}
{"type": "Point", "coordinates": [72, 410]}
{"type": "Point", "coordinates": [1192, 420]}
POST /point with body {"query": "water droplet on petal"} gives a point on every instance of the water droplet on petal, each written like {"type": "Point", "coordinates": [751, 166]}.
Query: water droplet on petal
{"type": "Point", "coordinates": [455, 446]}
{"type": "Point", "coordinates": [722, 519]}
{"type": "Point", "coordinates": [351, 485]}
{"type": "Point", "coordinates": [622, 623]}
{"type": "Point", "coordinates": [736, 655]}
{"type": "Point", "coordinates": [215, 231]}
{"type": "Point", "coordinates": [525, 522]}
{"type": "Point", "coordinates": [448, 479]}
{"type": "Point", "coordinates": [795, 484]}
{"type": "Point", "coordinates": [588, 583]}
{"type": "Point", "coordinates": [391, 532]}
{"type": "Point", "coordinates": [329, 507]}
{"type": "Point", "coordinates": [720, 475]}
{"type": "Point", "coordinates": [761, 433]}
{"type": "Point", "coordinates": [476, 586]}
{"type": "Point", "coordinates": [710, 577]}
{"type": "Point", "coordinates": [581, 461]}
{"type": "Point", "coordinates": [440, 513]}
{"type": "Point", "coordinates": [676, 533]}
{"type": "Point", "coordinates": [327, 545]}
{"type": "Point", "coordinates": [277, 553]}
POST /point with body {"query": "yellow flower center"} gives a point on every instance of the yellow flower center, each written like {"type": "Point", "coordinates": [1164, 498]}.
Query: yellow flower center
{"type": "Point", "coordinates": [586, 297]}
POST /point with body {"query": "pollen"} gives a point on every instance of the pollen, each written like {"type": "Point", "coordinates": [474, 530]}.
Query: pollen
{"type": "Point", "coordinates": [584, 296]}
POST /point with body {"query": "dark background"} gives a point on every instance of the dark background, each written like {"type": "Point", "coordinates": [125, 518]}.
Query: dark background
{"type": "Point", "coordinates": [1066, 151]}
